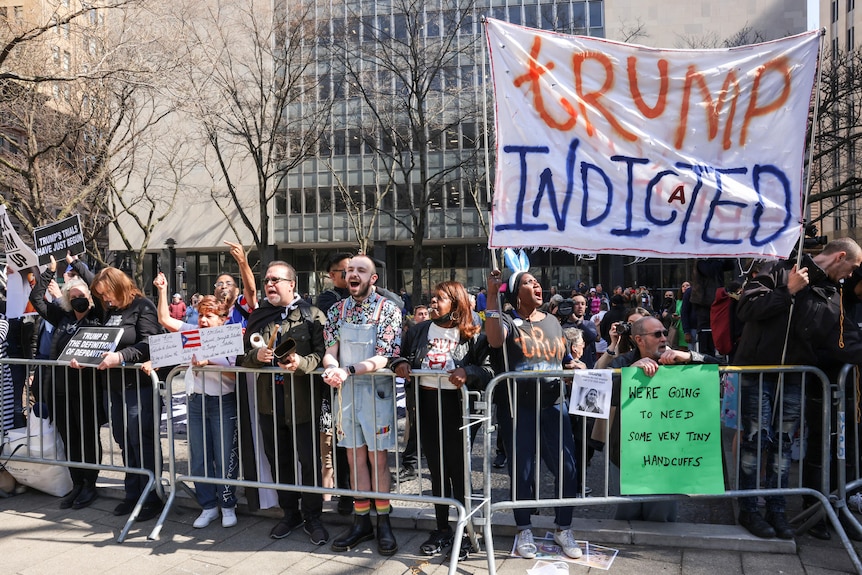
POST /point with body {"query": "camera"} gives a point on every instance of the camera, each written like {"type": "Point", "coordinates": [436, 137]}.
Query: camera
{"type": "Point", "coordinates": [624, 328]}
{"type": "Point", "coordinates": [565, 308]}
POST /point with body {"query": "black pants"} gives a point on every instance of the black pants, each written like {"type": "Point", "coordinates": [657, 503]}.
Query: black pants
{"type": "Point", "coordinates": [283, 462]}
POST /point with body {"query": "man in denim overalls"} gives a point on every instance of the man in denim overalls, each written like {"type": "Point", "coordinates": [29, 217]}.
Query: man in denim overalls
{"type": "Point", "coordinates": [362, 333]}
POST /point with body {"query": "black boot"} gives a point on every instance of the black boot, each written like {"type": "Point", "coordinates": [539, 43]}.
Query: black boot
{"type": "Point", "coordinates": [779, 523]}
{"type": "Point", "coordinates": [87, 495]}
{"type": "Point", "coordinates": [386, 544]}
{"type": "Point", "coordinates": [756, 524]}
{"type": "Point", "coordinates": [69, 500]}
{"type": "Point", "coordinates": [361, 531]}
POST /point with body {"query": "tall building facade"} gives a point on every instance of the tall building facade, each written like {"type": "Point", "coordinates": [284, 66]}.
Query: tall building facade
{"type": "Point", "coordinates": [410, 136]}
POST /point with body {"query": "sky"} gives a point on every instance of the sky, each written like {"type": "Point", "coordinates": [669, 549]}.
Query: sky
{"type": "Point", "coordinates": [813, 14]}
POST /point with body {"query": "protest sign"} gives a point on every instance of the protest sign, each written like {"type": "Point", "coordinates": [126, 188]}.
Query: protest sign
{"type": "Point", "coordinates": [89, 344]}
{"type": "Point", "coordinates": [670, 437]}
{"type": "Point", "coordinates": [177, 348]}
{"type": "Point", "coordinates": [19, 256]}
{"type": "Point", "coordinates": [605, 147]}
{"type": "Point", "coordinates": [57, 238]}
{"type": "Point", "coordinates": [591, 393]}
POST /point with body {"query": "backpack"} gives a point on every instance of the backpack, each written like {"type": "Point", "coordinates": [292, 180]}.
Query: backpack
{"type": "Point", "coordinates": [720, 320]}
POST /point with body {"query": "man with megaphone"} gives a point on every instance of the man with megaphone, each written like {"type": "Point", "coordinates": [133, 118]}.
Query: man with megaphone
{"type": "Point", "coordinates": [286, 332]}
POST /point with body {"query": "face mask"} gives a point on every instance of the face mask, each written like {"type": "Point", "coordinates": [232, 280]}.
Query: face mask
{"type": "Point", "coordinates": [80, 304]}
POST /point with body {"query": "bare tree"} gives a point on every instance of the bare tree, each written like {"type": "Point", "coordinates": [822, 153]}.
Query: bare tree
{"type": "Point", "coordinates": [409, 92]}
{"type": "Point", "coordinates": [70, 85]}
{"type": "Point", "coordinates": [253, 93]}
{"type": "Point", "coordinates": [835, 180]}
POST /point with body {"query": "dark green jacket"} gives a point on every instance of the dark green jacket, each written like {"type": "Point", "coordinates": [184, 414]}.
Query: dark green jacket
{"type": "Point", "coordinates": [302, 391]}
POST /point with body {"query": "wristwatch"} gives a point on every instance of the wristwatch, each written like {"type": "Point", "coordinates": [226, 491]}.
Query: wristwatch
{"type": "Point", "coordinates": [351, 370]}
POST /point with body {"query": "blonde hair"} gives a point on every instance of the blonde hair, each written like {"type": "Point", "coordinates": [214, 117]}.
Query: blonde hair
{"type": "Point", "coordinates": [65, 300]}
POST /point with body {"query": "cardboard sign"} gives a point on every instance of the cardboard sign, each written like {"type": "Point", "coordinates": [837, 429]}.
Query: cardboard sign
{"type": "Point", "coordinates": [89, 344]}
{"type": "Point", "coordinates": [670, 433]}
{"type": "Point", "coordinates": [206, 343]}
{"type": "Point", "coordinates": [58, 238]}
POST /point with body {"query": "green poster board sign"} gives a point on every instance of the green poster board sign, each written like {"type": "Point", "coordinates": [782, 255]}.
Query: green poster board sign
{"type": "Point", "coordinates": [670, 433]}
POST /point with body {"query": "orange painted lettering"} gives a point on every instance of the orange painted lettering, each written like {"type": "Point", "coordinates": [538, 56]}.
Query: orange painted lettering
{"type": "Point", "coordinates": [713, 108]}
{"type": "Point", "coordinates": [532, 76]}
{"type": "Point", "coordinates": [779, 65]}
{"type": "Point", "coordinates": [594, 98]}
{"type": "Point", "coordinates": [637, 97]}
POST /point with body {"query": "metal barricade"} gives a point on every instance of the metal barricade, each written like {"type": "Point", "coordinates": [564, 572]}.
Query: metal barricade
{"type": "Point", "coordinates": [847, 405]}
{"type": "Point", "coordinates": [561, 495]}
{"type": "Point", "coordinates": [78, 402]}
{"type": "Point", "coordinates": [287, 473]}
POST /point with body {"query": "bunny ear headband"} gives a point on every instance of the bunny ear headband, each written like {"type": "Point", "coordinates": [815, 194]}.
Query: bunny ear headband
{"type": "Point", "coordinates": [518, 263]}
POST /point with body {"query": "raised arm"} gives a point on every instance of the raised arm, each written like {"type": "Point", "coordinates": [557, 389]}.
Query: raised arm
{"type": "Point", "coordinates": [249, 286]}
{"type": "Point", "coordinates": [164, 314]}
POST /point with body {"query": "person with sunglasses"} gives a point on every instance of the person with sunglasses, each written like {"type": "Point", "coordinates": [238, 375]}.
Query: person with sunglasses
{"type": "Point", "coordinates": [651, 350]}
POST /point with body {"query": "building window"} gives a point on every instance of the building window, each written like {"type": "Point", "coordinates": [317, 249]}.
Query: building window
{"type": "Point", "coordinates": [55, 52]}
{"type": "Point", "coordinates": [18, 12]}
{"type": "Point", "coordinates": [67, 60]}
{"type": "Point", "coordinates": [851, 4]}
{"type": "Point", "coordinates": [851, 38]}
{"type": "Point", "coordinates": [834, 10]}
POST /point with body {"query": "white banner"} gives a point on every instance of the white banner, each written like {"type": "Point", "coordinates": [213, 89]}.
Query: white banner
{"type": "Point", "coordinates": [19, 256]}
{"type": "Point", "coordinates": [605, 147]}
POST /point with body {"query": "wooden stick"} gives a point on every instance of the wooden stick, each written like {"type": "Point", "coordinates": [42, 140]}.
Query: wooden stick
{"type": "Point", "coordinates": [273, 336]}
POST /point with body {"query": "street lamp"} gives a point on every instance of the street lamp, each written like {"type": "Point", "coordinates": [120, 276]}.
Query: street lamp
{"type": "Point", "coordinates": [171, 244]}
{"type": "Point", "coordinates": [428, 263]}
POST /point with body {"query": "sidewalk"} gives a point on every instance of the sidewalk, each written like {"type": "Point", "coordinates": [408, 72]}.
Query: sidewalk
{"type": "Point", "coordinates": [36, 537]}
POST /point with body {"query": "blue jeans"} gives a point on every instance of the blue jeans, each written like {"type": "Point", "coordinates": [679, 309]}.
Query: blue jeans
{"type": "Point", "coordinates": [213, 448]}
{"type": "Point", "coordinates": [759, 423]}
{"type": "Point", "coordinates": [555, 448]}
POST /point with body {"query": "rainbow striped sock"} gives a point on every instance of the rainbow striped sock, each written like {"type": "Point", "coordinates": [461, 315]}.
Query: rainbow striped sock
{"type": "Point", "coordinates": [362, 506]}
{"type": "Point", "coordinates": [382, 506]}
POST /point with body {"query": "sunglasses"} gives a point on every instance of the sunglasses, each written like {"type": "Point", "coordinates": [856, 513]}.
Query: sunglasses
{"type": "Point", "coordinates": [657, 334]}
{"type": "Point", "coordinates": [275, 281]}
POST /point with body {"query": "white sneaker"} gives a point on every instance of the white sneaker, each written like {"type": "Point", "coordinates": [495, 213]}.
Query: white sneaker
{"type": "Point", "coordinates": [206, 517]}
{"type": "Point", "coordinates": [524, 544]}
{"type": "Point", "coordinates": [566, 540]}
{"type": "Point", "coordinates": [228, 516]}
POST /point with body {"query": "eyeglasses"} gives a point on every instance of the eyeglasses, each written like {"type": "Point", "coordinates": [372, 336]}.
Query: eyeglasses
{"type": "Point", "coordinates": [276, 281]}
{"type": "Point", "coordinates": [657, 334]}
{"type": "Point", "coordinates": [223, 284]}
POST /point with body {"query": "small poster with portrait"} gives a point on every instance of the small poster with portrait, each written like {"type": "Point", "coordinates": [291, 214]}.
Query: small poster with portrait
{"type": "Point", "coordinates": [591, 393]}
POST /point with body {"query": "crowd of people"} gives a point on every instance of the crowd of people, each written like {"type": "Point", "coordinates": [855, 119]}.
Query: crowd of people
{"type": "Point", "coordinates": [345, 419]}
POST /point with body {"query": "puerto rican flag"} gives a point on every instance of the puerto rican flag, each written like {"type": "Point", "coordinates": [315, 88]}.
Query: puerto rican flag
{"type": "Point", "coordinates": [191, 338]}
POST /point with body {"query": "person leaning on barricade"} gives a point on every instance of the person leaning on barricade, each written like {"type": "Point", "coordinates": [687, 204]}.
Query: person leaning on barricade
{"type": "Point", "coordinates": [292, 334]}
{"type": "Point", "coordinates": [534, 342]}
{"type": "Point", "coordinates": [363, 332]}
{"type": "Point", "coordinates": [651, 350]}
{"type": "Point", "coordinates": [133, 422]}
{"type": "Point", "coordinates": [212, 431]}
{"type": "Point", "coordinates": [75, 403]}
{"type": "Point", "coordinates": [449, 343]}
{"type": "Point", "coordinates": [818, 333]}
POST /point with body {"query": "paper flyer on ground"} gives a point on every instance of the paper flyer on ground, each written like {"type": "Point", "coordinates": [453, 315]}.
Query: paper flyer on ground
{"type": "Point", "coordinates": [593, 555]}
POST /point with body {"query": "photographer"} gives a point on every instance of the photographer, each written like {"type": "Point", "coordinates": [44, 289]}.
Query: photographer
{"type": "Point", "coordinates": [573, 313]}
{"type": "Point", "coordinates": [621, 337]}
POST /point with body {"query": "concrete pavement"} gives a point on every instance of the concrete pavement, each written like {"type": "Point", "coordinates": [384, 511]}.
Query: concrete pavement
{"type": "Point", "coordinates": [36, 537]}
